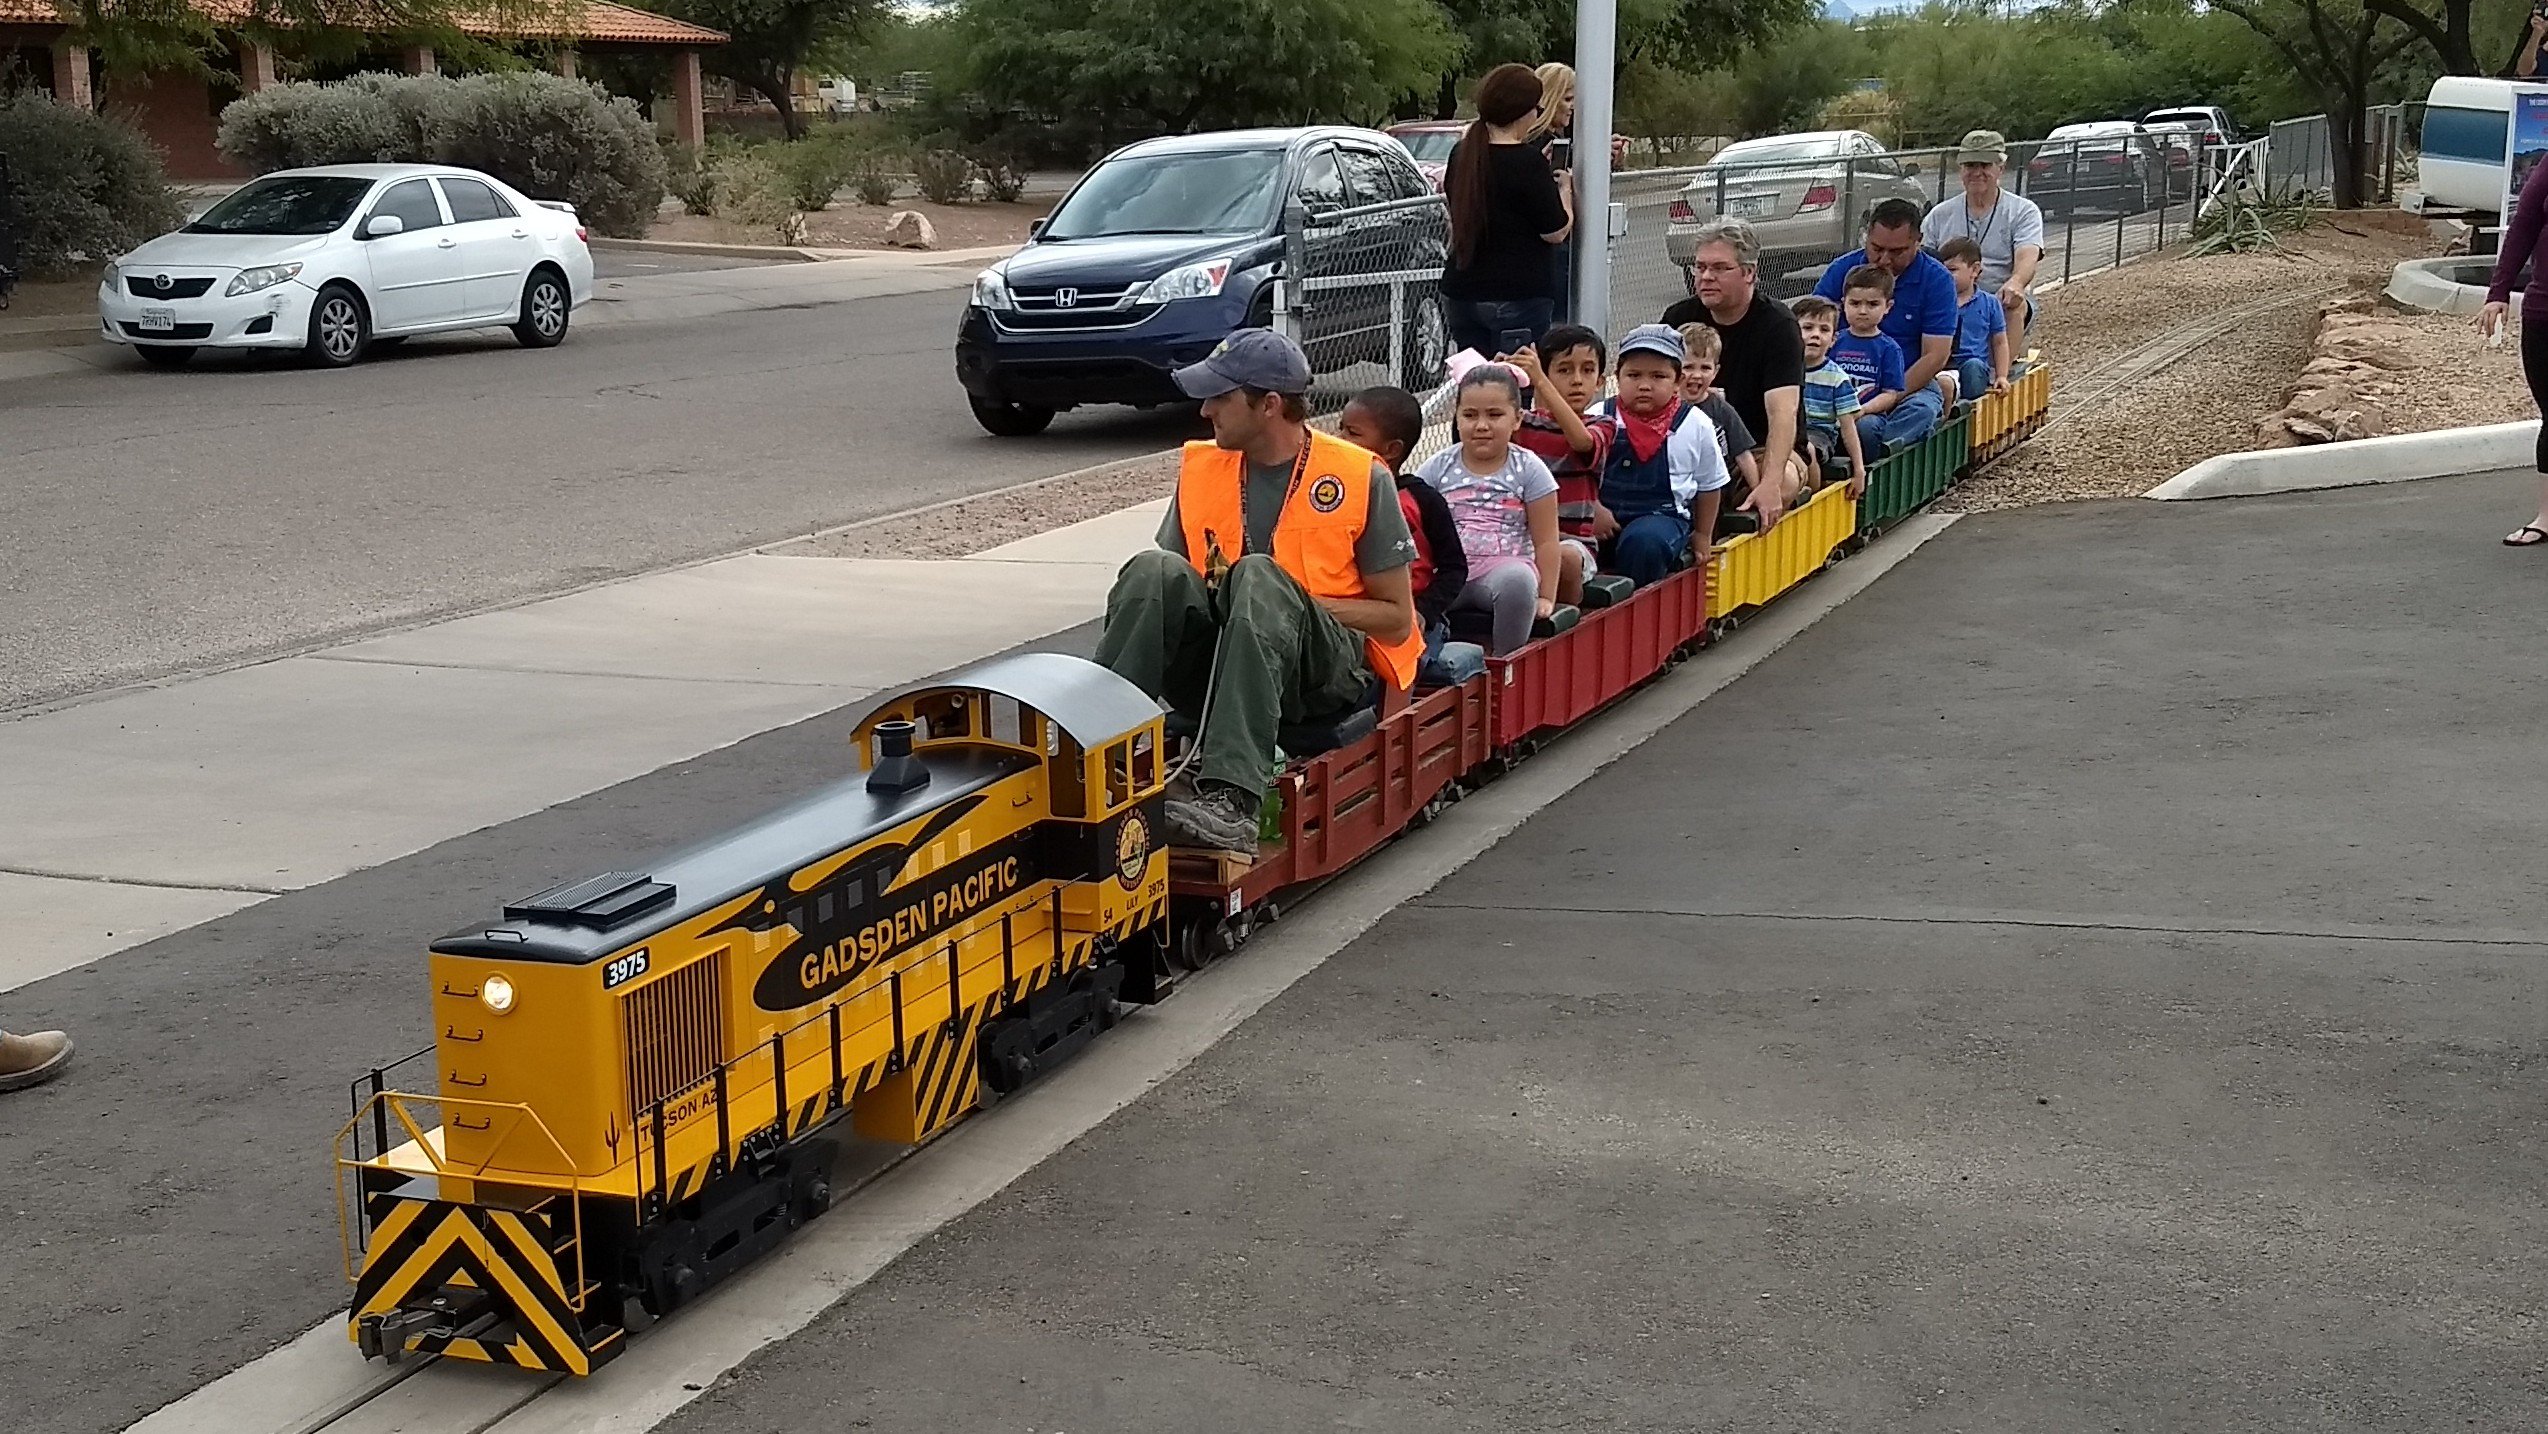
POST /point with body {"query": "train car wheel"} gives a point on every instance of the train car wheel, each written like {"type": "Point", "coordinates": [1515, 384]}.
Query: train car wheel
{"type": "Point", "coordinates": [1192, 950]}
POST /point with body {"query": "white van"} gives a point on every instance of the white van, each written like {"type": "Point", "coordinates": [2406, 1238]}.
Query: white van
{"type": "Point", "coordinates": [2467, 123]}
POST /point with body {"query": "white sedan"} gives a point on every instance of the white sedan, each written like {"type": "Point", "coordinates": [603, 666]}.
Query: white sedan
{"type": "Point", "coordinates": [334, 259]}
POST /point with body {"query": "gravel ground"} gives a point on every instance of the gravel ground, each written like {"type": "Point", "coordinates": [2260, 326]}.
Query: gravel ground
{"type": "Point", "coordinates": [2456, 380]}
{"type": "Point", "coordinates": [2154, 427]}
{"type": "Point", "coordinates": [970, 525]}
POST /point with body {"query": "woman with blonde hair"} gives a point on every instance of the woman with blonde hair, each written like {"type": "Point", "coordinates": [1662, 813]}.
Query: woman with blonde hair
{"type": "Point", "coordinates": [1552, 133]}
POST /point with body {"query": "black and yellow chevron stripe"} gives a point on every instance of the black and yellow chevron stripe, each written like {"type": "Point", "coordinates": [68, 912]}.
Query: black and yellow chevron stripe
{"type": "Point", "coordinates": [421, 1247]}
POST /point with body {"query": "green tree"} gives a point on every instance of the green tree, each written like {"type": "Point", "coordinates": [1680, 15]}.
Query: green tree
{"type": "Point", "coordinates": [770, 41]}
{"type": "Point", "coordinates": [134, 36]}
{"type": "Point", "coordinates": [1689, 36]}
{"type": "Point", "coordinates": [1779, 87]}
{"type": "Point", "coordinates": [2338, 47]}
{"type": "Point", "coordinates": [1170, 66]}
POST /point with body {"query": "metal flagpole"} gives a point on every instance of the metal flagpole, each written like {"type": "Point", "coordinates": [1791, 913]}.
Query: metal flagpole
{"type": "Point", "coordinates": [1596, 46]}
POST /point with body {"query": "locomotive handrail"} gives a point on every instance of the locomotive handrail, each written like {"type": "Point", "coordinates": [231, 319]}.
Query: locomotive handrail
{"type": "Point", "coordinates": [391, 1104]}
{"type": "Point", "coordinates": [727, 1083]}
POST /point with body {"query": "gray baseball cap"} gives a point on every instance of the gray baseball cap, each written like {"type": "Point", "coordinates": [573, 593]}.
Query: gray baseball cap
{"type": "Point", "coordinates": [1248, 358]}
{"type": "Point", "coordinates": [1655, 339]}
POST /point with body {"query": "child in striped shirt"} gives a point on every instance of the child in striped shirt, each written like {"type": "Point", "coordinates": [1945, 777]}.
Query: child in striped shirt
{"type": "Point", "coordinates": [1830, 396]}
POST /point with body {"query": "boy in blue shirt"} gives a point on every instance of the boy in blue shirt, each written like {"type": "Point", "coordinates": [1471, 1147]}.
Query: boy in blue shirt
{"type": "Point", "coordinates": [1872, 358]}
{"type": "Point", "coordinates": [1830, 397]}
{"type": "Point", "coordinates": [1981, 325]}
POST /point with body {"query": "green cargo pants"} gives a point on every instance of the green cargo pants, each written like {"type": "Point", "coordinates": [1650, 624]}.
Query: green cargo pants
{"type": "Point", "coordinates": [1268, 651]}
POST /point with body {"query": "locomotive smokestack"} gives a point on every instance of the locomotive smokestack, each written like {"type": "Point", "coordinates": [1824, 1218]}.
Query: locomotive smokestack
{"type": "Point", "coordinates": [896, 770]}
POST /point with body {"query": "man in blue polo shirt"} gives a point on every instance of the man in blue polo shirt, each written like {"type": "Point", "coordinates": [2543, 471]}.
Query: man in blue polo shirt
{"type": "Point", "coordinates": [1922, 319]}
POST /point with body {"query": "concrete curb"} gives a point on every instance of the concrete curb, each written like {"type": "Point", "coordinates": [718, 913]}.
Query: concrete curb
{"type": "Point", "coordinates": [776, 253]}
{"type": "Point", "coordinates": [790, 254]}
{"type": "Point", "coordinates": [2430, 285]}
{"type": "Point", "coordinates": [2391, 459]}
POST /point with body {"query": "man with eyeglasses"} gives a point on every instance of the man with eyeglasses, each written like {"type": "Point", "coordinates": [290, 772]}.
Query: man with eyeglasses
{"type": "Point", "coordinates": [2008, 227]}
{"type": "Point", "coordinates": [1762, 365]}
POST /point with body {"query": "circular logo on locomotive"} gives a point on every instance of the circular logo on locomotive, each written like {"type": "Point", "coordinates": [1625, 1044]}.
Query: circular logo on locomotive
{"type": "Point", "coordinates": [1328, 493]}
{"type": "Point", "coordinates": [1132, 851]}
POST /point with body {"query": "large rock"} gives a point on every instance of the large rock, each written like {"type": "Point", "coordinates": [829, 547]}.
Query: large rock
{"type": "Point", "coordinates": [910, 229]}
{"type": "Point", "coordinates": [2332, 413]}
{"type": "Point", "coordinates": [2324, 369]}
{"type": "Point", "coordinates": [2379, 345]}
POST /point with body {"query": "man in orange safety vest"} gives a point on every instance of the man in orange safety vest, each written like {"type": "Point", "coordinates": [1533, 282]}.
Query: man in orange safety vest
{"type": "Point", "coordinates": [1278, 592]}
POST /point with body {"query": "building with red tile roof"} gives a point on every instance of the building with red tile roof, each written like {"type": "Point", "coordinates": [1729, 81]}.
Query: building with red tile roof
{"type": "Point", "coordinates": [181, 110]}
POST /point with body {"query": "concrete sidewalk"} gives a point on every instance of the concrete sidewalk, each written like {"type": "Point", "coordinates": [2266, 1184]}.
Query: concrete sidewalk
{"type": "Point", "coordinates": [68, 344]}
{"type": "Point", "coordinates": [150, 810]}
{"type": "Point", "coordinates": [2090, 981]}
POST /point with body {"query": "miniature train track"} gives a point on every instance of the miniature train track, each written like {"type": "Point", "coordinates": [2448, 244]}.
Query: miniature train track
{"type": "Point", "coordinates": [2107, 381]}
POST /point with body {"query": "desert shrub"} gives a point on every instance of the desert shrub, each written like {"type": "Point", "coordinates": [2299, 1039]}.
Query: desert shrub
{"type": "Point", "coordinates": [1003, 172]}
{"type": "Point", "coordinates": [944, 176]}
{"type": "Point", "coordinates": [368, 119]}
{"type": "Point", "coordinates": [817, 167]}
{"type": "Point", "coordinates": [872, 177]}
{"type": "Point", "coordinates": [754, 192]}
{"type": "Point", "coordinates": [553, 138]}
{"type": "Point", "coordinates": [546, 135]}
{"type": "Point", "coordinates": [88, 187]}
{"type": "Point", "coordinates": [689, 179]}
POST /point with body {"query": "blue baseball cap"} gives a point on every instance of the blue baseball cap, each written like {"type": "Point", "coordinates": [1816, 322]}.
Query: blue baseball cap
{"type": "Point", "coordinates": [1655, 339]}
{"type": "Point", "coordinates": [1248, 358]}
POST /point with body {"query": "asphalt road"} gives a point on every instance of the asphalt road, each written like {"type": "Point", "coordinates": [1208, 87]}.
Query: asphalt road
{"type": "Point", "coordinates": [2089, 982]}
{"type": "Point", "coordinates": [160, 522]}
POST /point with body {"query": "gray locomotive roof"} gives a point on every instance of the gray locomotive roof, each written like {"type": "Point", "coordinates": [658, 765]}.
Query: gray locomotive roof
{"type": "Point", "coordinates": [764, 849]}
{"type": "Point", "coordinates": [1091, 703]}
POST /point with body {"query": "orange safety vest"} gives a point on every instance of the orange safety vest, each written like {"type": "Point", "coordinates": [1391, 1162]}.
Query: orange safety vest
{"type": "Point", "coordinates": [1313, 537]}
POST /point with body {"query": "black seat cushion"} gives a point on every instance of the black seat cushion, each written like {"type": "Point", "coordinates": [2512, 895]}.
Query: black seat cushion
{"type": "Point", "coordinates": [1470, 624]}
{"type": "Point", "coordinates": [1307, 739]}
{"type": "Point", "coordinates": [1603, 590]}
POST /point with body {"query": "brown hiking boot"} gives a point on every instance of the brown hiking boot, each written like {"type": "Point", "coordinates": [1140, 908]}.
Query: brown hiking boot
{"type": "Point", "coordinates": [32, 1060]}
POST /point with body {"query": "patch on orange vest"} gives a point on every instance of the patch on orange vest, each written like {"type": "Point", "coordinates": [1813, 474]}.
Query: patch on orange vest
{"type": "Point", "coordinates": [1327, 494]}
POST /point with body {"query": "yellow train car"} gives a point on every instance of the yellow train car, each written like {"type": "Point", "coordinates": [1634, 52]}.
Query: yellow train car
{"type": "Point", "coordinates": [634, 1073]}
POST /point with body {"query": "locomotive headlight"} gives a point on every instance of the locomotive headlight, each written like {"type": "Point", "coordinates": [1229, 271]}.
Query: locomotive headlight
{"type": "Point", "coordinates": [497, 992]}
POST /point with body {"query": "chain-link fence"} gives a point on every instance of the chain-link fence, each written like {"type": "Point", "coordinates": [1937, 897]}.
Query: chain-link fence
{"type": "Point", "coordinates": [2105, 200]}
{"type": "Point", "coordinates": [1362, 294]}
{"type": "Point", "coordinates": [2300, 154]}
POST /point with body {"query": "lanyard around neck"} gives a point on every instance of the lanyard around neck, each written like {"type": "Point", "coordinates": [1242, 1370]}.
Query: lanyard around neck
{"type": "Point", "coordinates": [1300, 469]}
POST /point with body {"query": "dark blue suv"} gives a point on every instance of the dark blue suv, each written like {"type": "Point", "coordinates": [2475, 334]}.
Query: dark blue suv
{"type": "Point", "coordinates": [1167, 245]}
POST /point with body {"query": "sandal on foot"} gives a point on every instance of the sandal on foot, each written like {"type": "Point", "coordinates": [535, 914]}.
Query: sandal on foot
{"type": "Point", "coordinates": [2528, 535]}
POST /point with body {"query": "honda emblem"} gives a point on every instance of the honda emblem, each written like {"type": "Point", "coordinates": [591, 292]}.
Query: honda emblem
{"type": "Point", "coordinates": [1065, 298]}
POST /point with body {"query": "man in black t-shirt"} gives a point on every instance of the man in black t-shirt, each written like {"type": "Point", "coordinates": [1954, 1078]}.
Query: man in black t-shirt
{"type": "Point", "coordinates": [1763, 368]}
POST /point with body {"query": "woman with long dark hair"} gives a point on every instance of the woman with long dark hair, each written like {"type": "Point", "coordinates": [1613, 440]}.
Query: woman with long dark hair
{"type": "Point", "coordinates": [2525, 237]}
{"type": "Point", "coordinates": [1507, 212]}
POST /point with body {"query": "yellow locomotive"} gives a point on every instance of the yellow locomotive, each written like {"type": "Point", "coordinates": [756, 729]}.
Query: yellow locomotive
{"type": "Point", "coordinates": [634, 1072]}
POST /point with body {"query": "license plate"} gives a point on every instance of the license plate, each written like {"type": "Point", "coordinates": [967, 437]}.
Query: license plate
{"type": "Point", "coordinates": [158, 320]}
{"type": "Point", "coordinates": [1749, 206]}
